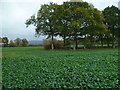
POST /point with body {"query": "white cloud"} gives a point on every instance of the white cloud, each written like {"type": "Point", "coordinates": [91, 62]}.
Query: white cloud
{"type": "Point", "coordinates": [36, 1]}
{"type": "Point", "coordinates": [20, 0]}
{"type": "Point", "coordinates": [101, 0]}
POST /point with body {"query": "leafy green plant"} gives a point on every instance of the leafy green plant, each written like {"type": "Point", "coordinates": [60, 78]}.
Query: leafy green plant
{"type": "Point", "coordinates": [60, 69]}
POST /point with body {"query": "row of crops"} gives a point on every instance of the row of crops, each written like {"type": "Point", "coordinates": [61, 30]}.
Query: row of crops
{"type": "Point", "coordinates": [62, 69]}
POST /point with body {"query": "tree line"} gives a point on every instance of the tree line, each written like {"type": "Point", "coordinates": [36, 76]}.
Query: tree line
{"type": "Point", "coordinates": [76, 21]}
{"type": "Point", "coordinates": [16, 43]}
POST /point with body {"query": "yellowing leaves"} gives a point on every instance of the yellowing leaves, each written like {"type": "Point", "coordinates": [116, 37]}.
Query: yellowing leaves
{"type": "Point", "coordinates": [75, 23]}
{"type": "Point", "coordinates": [82, 10]}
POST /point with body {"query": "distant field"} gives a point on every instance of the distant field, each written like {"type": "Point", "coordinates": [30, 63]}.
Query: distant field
{"type": "Point", "coordinates": [33, 67]}
{"type": "Point", "coordinates": [20, 51]}
{"type": "Point", "coordinates": [97, 45]}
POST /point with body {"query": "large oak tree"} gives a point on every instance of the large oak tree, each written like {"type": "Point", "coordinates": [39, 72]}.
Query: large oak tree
{"type": "Point", "coordinates": [45, 22]}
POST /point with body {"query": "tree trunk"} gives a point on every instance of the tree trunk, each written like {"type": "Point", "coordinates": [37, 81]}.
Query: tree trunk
{"type": "Point", "coordinates": [52, 45]}
{"type": "Point", "coordinates": [64, 41]}
{"type": "Point", "coordinates": [101, 42]}
{"type": "Point", "coordinates": [75, 41]}
{"type": "Point", "coordinates": [74, 46]}
{"type": "Point", "coordinates": [85, 43]}
{"type": "Point", "coordinates": [108, 43]}
{"type": "Point", "coordinates": [91, 42]}
{"type": "Point", "coordinates": [119, 42]}
{"type": "Point", "coordinates": [101, 39]}
{"type": "Point", "coordinates": [113, 44]}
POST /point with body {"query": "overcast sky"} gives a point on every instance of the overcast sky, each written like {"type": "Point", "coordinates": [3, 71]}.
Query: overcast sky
{"type": "Point", "coordinates": [14, 13]}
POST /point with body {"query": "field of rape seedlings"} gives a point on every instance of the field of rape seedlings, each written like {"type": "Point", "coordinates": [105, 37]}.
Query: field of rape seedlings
{"type": "Point", "coordinates": [33, 67]}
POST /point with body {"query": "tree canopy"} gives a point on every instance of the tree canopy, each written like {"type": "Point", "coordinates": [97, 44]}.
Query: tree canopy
{"type": "Point", "coordinates": [111, 15]}
{"type": "Point", "coordinates": [71, 20]}
{"type": "Point", "coordinates": [5, 41]}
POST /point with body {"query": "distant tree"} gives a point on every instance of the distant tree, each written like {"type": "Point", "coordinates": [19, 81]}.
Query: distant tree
{"type": "Point", "coordinates": [11, 44]}
{"type": "Point", "coordinates": [24, 42]}
{"type": "Point", "coordinates": [0, 40]}
{"type": "Point", "coordinates": [5, 41]}
{"type": "Point", "coordinates": [18, 42]}
{"type": "Point", "coordinates": [111, 15]}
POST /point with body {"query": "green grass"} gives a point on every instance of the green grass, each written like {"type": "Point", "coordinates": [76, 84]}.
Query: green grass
{"type": "Point", "coordinates": [20, 51]}
{"type": "Point", "coordinates": [0, 64]}
{"type": "Point", "coordinates": [96, 45]}
{"type": "Point", "coordinates": [33, 67]}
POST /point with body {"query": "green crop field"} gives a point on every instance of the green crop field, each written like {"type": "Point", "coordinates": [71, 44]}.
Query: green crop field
{"type": "Point", "coordinates": [0, 69]}
{"type": "Point", "coordinates": [33, 67]}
